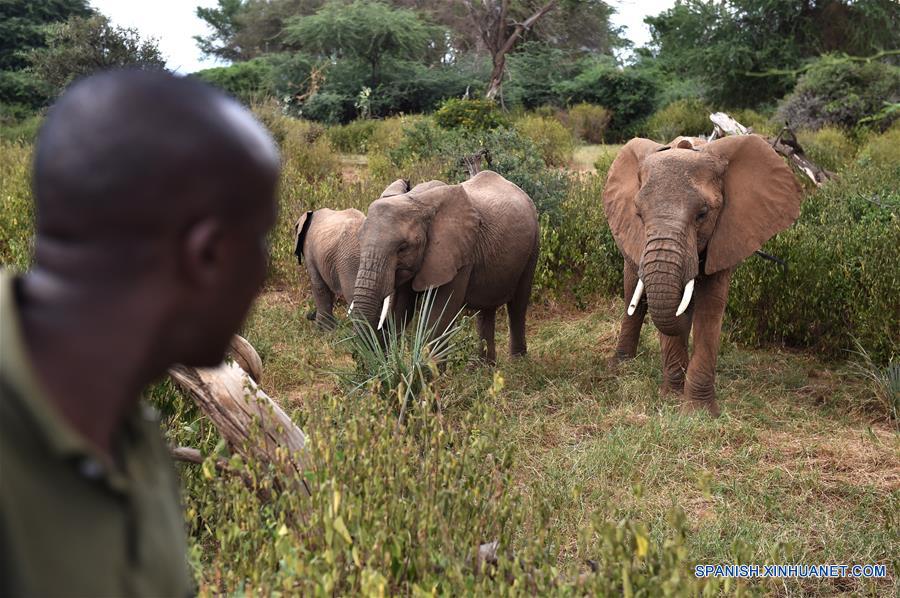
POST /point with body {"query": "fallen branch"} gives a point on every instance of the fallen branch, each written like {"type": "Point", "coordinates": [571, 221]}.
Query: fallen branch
{"type": "Point", "coordinates": [251, 422]}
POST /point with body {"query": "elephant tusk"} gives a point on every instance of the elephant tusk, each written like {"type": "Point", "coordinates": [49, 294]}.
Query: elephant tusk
{"type": "Point", "coordinates": [686, 299]}
{"type": "Point", "coordinates": [350, 309]}
{"type": "Point", "coordinates": [384, 311]}
{"type": "Point", "coordinates": [638, 291]}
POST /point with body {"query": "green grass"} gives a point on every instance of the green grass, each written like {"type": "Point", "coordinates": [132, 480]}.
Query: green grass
{"type": "Point", "coordinates": [792, 471]}
{"type": "Point", "coordinates": [585, 156]}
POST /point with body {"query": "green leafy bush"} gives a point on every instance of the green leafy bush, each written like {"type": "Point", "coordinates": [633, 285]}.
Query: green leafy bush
{"type": "Point", "coordinates": [588, 122]}
{"type": "Point", "coordinates": [882, 149]}
{"type": "Point", "coordinates": [839, 92]}
{"type": "Point", "coordinates": [689, 117]}
{"type": "Point", "coordinates": [473, 114]}
{"type": "Point", "coordinates": [247, 81]}
{"type": "Point", "coordinates": [829, 147]}
{"type": "Point", "coordinates": [759, 123]}
{"type": "Point", "coordinates": [628, 93]}
{"type": "Point", "coordinates": [16, 207]}
{"type": "Point", "coordinates": [842, 282]}
{"type": "Point", "coordinates": [553, 140]}
{"type": "Point", "coordinates": [352, 138]}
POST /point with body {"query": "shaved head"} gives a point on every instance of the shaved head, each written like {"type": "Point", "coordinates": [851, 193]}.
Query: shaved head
{"type": "Point", "coordinates": [131, 152]}
{"type": "Point", "coordinates": [154, 195]}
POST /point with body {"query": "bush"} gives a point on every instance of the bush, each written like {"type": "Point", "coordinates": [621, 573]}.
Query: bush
{"type": "Point", "coordinates": [838, 92]}
{"type": "Point", "coordinates": [842, 282]}
{"type": "Point", "coordinates": [628, 93]}
{"type": "Point", "coordinates": [884, 149]}
{"type": "Point", "coordinates": [352, 138]}
{"type": "Point", "coordinates": [588, 122]}
{"type": "Point", "coordinates": [553, 140]}
{"type": "Point", "coordinates": [759, 123]}
{"type": "Point", "coordinates": [829, 147]}
{"type": "Point", "coordinates": [689, 117]}
{"type": "Point", "coordinates": [469, 114]}
{"type": "Point", "coordinates": [16, 206]}
{"type": "Point", "coordinates": [427, 151]}
{"type": "Point", "coordinates": [248, 81]}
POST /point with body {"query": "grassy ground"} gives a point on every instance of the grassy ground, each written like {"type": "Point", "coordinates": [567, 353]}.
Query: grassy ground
{"type": "Point", "coordinates": [585, 156]}
{"type": "Point", "coordinates": [791, 472]}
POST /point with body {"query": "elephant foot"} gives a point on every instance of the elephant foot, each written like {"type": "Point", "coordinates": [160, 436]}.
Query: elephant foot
{"type": "Point", "coordinates": [671, 389]}
{"type": "Point", "coordinates": [709, 406]}
{"type": "Point", "coordinates": [615, 360]}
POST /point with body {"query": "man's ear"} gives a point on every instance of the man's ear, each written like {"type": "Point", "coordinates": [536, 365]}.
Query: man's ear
{"type": "Point", "coordinates": [202, 252]}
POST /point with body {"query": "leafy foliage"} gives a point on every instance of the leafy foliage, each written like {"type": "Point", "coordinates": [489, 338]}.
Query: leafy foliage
{"type": "Point", "coordinates": [840, 92]}
{"type": "Point", "coordinates": [83, 46]}
{"type": "Point", "coordinates": [553, 140]}
{"type": "Point", "coordinates": [588, 122]}
{"type": "Point", "coordinates": [829, 147]}
{"type": "Point", "coordinates": [16, 207]}
{"type": "Point", "coordinates": [688, 117]}
{"type": "Point", "coordinates": [473, 115]}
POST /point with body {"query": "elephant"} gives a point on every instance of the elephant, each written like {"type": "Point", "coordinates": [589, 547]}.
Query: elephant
{"type": "Point", "coordinates": [684, 215]}
{"type": "Point", "coordinates": [329, 242]}
{"type": "Point", "coordinates": [475, 243]}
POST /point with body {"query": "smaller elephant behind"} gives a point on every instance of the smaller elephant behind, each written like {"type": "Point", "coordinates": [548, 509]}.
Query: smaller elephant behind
{"type": "Point", "coordinates": [328, 241]}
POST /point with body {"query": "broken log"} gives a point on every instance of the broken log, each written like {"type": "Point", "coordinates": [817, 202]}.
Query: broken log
{"type": "Point", "coordinates": [785, 144]}
{"type": "Point", "coordinates": [251, 422]}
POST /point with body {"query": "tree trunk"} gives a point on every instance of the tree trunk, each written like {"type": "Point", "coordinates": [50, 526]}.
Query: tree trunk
{"type": "Point", "coordinates": [252, 423]}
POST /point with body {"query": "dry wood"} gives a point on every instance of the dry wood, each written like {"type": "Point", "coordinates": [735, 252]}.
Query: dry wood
{"type": "Point", "coordinates": [252, 423]}
{"type": "Point", "coordinates": [785, 144]}
{"type": "Point", "coordinates": [246, 357]}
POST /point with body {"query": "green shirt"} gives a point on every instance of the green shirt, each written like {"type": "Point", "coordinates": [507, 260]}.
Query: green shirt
{"type": "Point", "coordinates": [71, 523]}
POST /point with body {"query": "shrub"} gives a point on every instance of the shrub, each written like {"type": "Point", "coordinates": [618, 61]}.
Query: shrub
{"type": "Point", "coordinates": [553, 140]}
{"type": "Point", "coordinates": [16, 206]}
{"type": "Point", "coordinates": [839, 92]}
{"type": "Point", "coordinates": [588, 122]}
{"type": "Point", "coordinates": [604, 161]}
{"type": "Point", "coordinates": [469, 114]}
{"type": "Point", "coordinates": [352, 138]}
{"type": "Point", "coordinates": [628, 93]}
{"type": "Point", "coordinates": [759, 123]}
{"type": "Point", "coordinates": [829, 147]}
{"type": "Point", "coordinates": [882, 149]}
{"type": "Point", "coordinates": [842, 282]}
{"type": "Point", "coordinates": [688, 117]}
{"type": "Point", "coordinates": [247, 81]}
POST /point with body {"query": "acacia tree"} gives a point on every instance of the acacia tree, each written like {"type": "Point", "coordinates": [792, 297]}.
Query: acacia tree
{"type": "Point", "coordinates": [500, 32]}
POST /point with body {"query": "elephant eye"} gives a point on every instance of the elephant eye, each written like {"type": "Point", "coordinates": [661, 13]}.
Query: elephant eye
{"type": "Point", "coordinates": [703, 211]}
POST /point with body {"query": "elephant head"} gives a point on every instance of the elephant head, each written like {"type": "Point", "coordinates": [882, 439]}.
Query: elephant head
{"type": "Point", "coordinates": [423, 237]}
{"type": "Point", "coordinates": [670, 205]}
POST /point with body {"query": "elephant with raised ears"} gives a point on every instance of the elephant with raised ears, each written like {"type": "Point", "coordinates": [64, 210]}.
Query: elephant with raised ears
{"type": "Point", "coordinates": [476, 243]}
{"type": "Point", "coordinates": [684, 215]}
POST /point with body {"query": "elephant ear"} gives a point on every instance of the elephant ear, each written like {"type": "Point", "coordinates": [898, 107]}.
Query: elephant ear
{"type": "Point", "coordinates": [622, 186]}
{"type": "Point", "coordinates": [398, 187]}
{"type": "Point", "coordinates": [761, 198]}
{"type": "Point", "coordinates": [450, 237]}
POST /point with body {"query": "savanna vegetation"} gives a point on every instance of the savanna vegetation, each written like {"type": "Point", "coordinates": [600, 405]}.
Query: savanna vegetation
{"type": "Point", "coordinates": [589, 480]}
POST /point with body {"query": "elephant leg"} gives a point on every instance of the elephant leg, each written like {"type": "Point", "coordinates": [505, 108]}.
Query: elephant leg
{"type": "Point", "coordinates": [710, 297]}
{"type": "Point", "coordinates": [630, 329]}
{"type": "Point", "coordinates": [448, 300]}
{"type": "Point", "coordinates": [486, 319]}
{"type": "Point", "coordinates": [674, 351]}
{"type": "Point", "coordinates": [324, 300]}
{"type": "Point", "coordinates": [517, 310]}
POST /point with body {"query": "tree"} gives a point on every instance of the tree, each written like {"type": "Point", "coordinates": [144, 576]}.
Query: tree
{"type": "Point", "coordinates": [367, 32]}
{"type": "Point", "coordinates": [82, 46]}
{"type": "Point", "coordinates": [500, 31]}
{"type": "Point", "coordinates": [22, 29]}
{"type": "Point", "coordinates": [718, 44]}
{"type": "Point", "coordinates": [247, 29]}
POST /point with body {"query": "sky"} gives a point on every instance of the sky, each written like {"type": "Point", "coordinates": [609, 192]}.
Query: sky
{"type": "Point", "coordinates": [174, 25]}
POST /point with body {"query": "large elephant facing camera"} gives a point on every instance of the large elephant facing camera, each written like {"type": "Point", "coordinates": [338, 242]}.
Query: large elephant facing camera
{"type": "Point", "coordinates": [684, 215]}
{"type": "Point", "coordinates": [476, 243]}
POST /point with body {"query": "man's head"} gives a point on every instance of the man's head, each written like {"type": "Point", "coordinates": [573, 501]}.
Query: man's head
{"type": "Point", "coordinates": [161, 190]}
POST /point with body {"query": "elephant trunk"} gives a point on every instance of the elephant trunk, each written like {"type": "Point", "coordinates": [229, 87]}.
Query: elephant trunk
{"type": "Point", "coordinates": [668, 281]}
{"type": "Point", "coordinates": [374, 283]}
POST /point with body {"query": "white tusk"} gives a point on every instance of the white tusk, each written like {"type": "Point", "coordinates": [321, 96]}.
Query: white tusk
{"type": "Point", "coordinates": [384, 311]}
{"type": "Point", "coordinates": [349, 309]}
{"type": "Point", "coordinates": [638, 291]}
{"type": "Point", "coordinates": [686, 299]}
